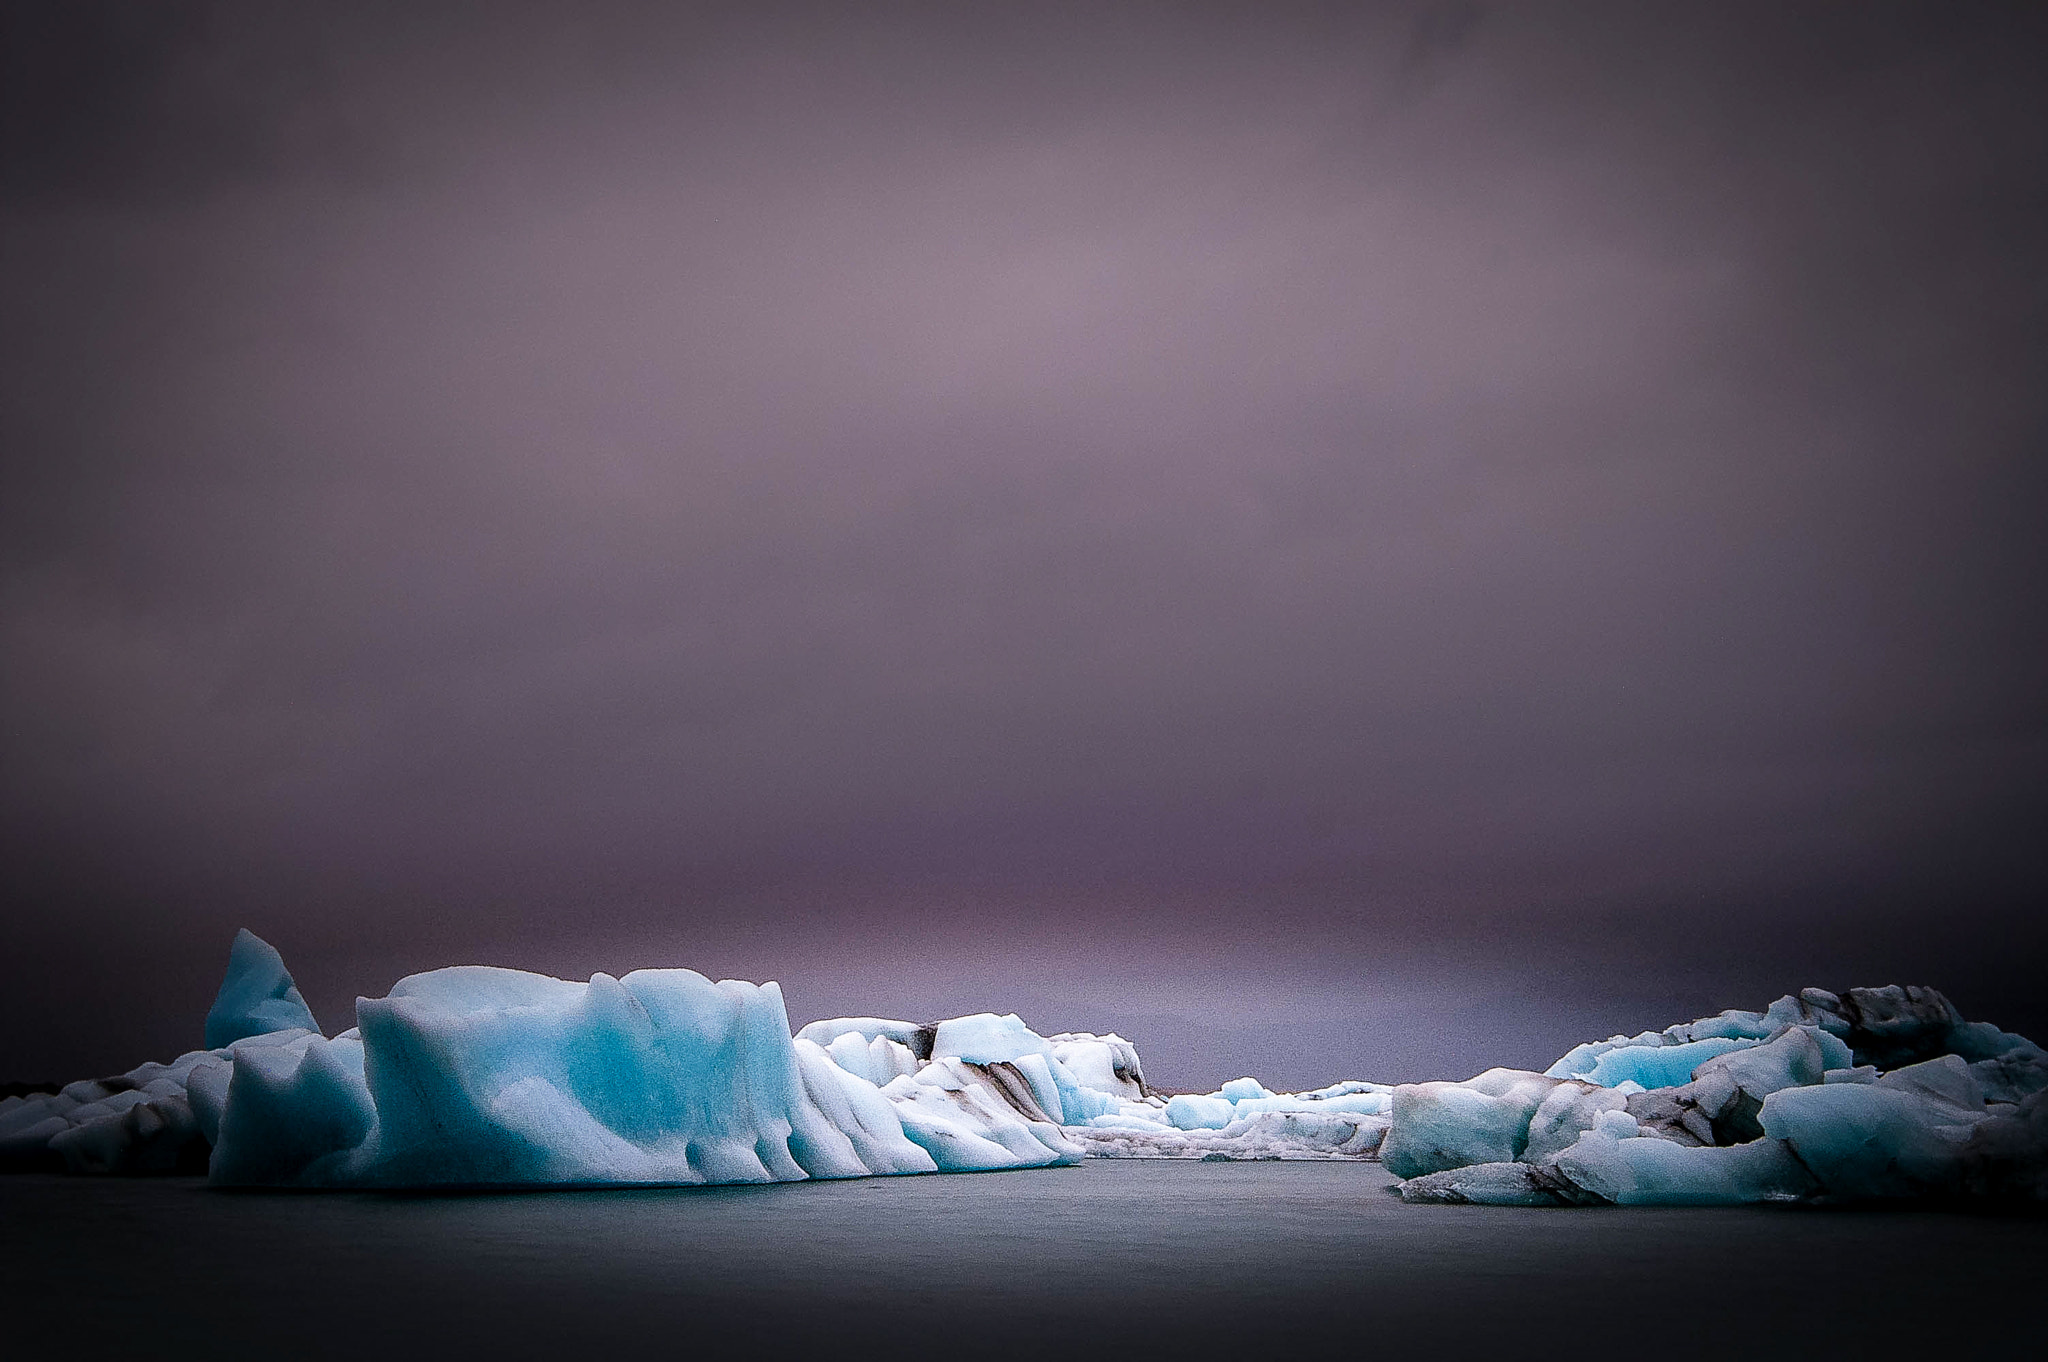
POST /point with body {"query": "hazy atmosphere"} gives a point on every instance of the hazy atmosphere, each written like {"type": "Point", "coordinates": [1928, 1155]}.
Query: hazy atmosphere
{"type": "Point", "coordinates": [1333, 540]}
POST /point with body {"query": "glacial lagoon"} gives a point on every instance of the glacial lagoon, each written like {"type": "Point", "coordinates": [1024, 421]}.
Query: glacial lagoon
{"type": "Point", "coordinates": [1110, 1258]}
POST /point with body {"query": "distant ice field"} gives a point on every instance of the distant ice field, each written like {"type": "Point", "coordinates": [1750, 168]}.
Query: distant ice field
{"type": "Point", "coordinates": [1108, 1258]}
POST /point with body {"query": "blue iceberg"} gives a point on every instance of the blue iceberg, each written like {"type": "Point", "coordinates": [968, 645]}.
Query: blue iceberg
{"type": "Point", "coordinates": [475, 1076]}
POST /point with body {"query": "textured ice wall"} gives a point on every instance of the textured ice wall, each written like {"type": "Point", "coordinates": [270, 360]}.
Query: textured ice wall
{"type": "Point", "coordinates": [474, 1076]}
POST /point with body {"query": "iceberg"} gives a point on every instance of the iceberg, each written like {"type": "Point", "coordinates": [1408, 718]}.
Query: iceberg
{"type": "Point", "coordinates": [477, 1076]}
{"type": "Point", "coordinates": [1243, 1119]}
{"type": "Point", "coordinates": [257, 997]}
{"type": "Point", "coordinates": [1302, 1134]}
{"type": "Point", "coordinates": [1873, 1094]}
{"type": "Point", "coordinates": [1438, 1126]}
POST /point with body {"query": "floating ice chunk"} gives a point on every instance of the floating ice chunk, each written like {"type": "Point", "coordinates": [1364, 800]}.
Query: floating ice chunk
{"type": "Point", "coordinates": [1616, 1125]}
{"type": "Point", "coordinates": [290, 1113]}
{"type": "Point", "coordinates": [1132, 1116]}
{"type": "Point", "coordinates": [1568, 1111]}
{"type": "Point", "coordinates": [986, 1038]}
{"type": "Point", "coordinates": [1862, 1073]}
{"type": "Point", "coordinates": [1981, 1040]}
{"type": "Point", "coordinates": [1894, 1025]}
{"type": "Point", "coordinates": [2012, 1077]}
{"type": "Point", "coordinates": [1579, 1060]}
{"type": "Point", "coordinates": [141, 1137]}
{"type": "Point", "coordinates": [1646, 1171]}
{"type": "Point", "coordinates": [1657, 1066]}
{"type": "Point", "coordinates": [1348, 1088]}
{"type": "Point", "coordinates": [1312, 1132]}
{"type": "Point", "coordinates": [860, 1131]}
{"type": "Point", "coordinates": [1863, 1140]}
{"type": "Point", "coordinates": [1290, 1135]}
{"type": "Point", "coordinates": [478, 1076]}
{"type": "Point", "coordinates": [1106, 1064]}
{"type": "Point", "coordinates": [1733, 1024]}
{"type": "Point", "coordinates": [967, 1127]}
{"type": "Point", "coordinates": [1811, 1008]}
{"type": "Point", "coordinates": [877, 1060]}
{"type": "Point", "coordinates": [1728, 1091]}
{"type": "Point", "coordinates": [257, 996]}
{"type": "Point", "coordinates": [135, 1123]}
{"type": "Point", "coordinates": [1449, 1125]}
{"type": "Point", "coordinates": [913, 1037]}
{"type": "Point", "coordinates": [1240, 1089]}
{"type": "Point", "coordinates": [1363, 1103]}
{"type": "Point", "coordinates": [2006, 1156]}
{"type": "Point", "coordinates": [1494, 1184]}
{"type": "Point", "coordinates": [1187, 1111]}
{"type": "Point", "coordinates": [25, 1144]}
{"type": "Point", "coordinates": [1947, 1081]}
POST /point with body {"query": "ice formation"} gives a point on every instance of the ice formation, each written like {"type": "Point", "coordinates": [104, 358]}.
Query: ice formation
{"type": "Point", "coordinates": [474, 1076]}
{"type": "Point", "coordinates": [163, 1118]}
{"type": "Point", "coordinates": [1876, 1093]}
{"type": "Point", "coordinates": [257, 997]}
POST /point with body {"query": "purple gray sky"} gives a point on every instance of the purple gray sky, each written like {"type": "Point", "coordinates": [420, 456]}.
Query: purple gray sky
{"type": "Point", "coordinates": [1336, 540]}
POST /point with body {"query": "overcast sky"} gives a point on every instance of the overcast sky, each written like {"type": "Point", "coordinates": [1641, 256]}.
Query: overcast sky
{"type": "Point", "coordinates": [1336, 540]}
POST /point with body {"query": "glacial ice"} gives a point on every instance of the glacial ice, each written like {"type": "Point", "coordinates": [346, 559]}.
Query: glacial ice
{"type": "Point", "coordinates": [1656, 1066]}
{"type": "Point", "coordinates": [1641, 1170]}
{"type": "Point", "coordinates": [1882, 1093]}
{"type": "Point", "coordinates": [257, 997]}
{"type": "Point", "coordinates": [475, 1076]}
{"type": "Point", "coordinates": [1866, 1141]}
{"type": "Point", "coordinates": [479, 1076]}
{"type": "Point", "coordinates": [1191, 1111]}
{"type": "Point", "coordinates": [1437, 1126]}
{"type": "Point", "coordinates": [1305, 1132]}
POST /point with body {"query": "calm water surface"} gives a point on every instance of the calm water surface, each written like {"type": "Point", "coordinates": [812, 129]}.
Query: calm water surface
{"type": "Point", "coordinates": [1187, 1259]}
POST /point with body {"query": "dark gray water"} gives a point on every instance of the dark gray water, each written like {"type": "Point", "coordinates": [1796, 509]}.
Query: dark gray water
{"type": "Point", "coordinates": [1196, 1260]}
